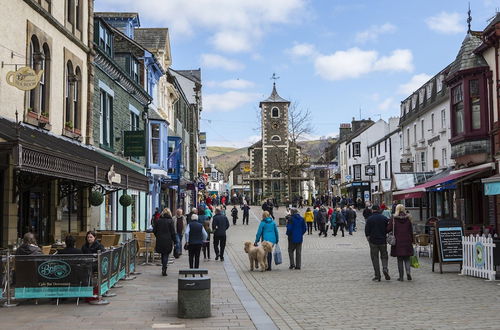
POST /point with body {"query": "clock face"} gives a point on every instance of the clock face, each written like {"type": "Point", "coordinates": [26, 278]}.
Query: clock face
{"type": "Point", "coordinates": [275, 125]}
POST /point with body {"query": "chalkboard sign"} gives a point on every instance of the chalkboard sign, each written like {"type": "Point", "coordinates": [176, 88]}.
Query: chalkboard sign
{"type": "Point", "coordinates": [447, 242]}
{"type": "Point", "coordinates": [450, 240]}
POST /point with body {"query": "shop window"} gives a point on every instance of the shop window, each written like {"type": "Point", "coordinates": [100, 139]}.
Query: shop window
{"type": "Point", "coordinates": [475, 103]}
{"type": "Point", "coordinates": [458, 109]}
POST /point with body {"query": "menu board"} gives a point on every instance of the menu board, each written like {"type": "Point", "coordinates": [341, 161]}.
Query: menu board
{"type": "Point", "coordinates": [450, 240]}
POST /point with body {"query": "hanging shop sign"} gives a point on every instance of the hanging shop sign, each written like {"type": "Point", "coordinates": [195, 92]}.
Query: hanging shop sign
{"type": "Point", "coordinates": [25, 78]}
{"type": "Point", "coordinates": [113, 177]}
{"type": "Point", "coordinates": [134, 144]}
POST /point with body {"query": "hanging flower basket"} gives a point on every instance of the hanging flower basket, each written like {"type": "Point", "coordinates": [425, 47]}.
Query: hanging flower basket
{"type": "Point", "coordinates": [96, 198]}
{"type": "Point", "coordinates": [125, 200]}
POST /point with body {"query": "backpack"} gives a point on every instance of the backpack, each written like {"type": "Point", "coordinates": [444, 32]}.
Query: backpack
{"type": "Point", "coordinates": [234, 212]}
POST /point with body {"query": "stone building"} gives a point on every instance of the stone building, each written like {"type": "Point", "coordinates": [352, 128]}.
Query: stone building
{"type": "Point", "coordinates": [238, 178]}
{"type": "Point", "coordinates": [275, 160]}
{"type": "Point", "coordinates": [46, 167]}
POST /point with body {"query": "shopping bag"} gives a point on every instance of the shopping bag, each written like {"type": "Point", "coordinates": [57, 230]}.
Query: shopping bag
{"type": "Point", "coordinates": [414, 262]}
{"type": "Point", "coordinates": [277, 255]}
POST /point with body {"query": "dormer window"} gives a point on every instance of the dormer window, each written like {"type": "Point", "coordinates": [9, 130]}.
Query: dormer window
{"type": "Point", "coordinates": [275, 112]}
{"type": "Point", "coordinates": [421, 94]}
{"type": "Point", "coordinates": [428, 89]}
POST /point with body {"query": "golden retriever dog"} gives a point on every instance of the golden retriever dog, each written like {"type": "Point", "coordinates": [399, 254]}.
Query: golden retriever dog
{"type": "Point", "coordinates": [258, 254]}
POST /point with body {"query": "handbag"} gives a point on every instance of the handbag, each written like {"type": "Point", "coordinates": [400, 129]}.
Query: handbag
{"type": "Point", "coordinates": [414, 263]}
{"type": "Point", "coordinates": [277, 255]}
{"type": "Point", "coordinates": [391, 238]}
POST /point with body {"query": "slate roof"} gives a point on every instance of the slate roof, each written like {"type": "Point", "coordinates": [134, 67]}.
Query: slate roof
{"type": "Point", "coordinates": [187, 85]}
{"type": "Point", "coordinates": [194, 75]}
{"type": "Point", "coordinates": [152, 38]}
{"type": "Point", "coordinates": [274, 97]}
{"type": "Point", "coordinates": [466, 59]}
{"type": "Point", "coordinates": [118, 15]}
{"type": "Point", "coordinates": [494, 21]}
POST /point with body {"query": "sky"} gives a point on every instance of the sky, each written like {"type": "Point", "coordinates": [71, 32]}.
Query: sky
{"type": "Point", "coordinates": [337, 59]}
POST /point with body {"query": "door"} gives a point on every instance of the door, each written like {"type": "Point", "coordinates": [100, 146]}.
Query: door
{"type": "Point", "coordinates": [35, 214]}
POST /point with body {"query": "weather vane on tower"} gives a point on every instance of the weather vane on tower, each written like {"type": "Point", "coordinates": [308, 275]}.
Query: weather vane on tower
{"type": "Point", "coordinates": [469, 19]}
{"type": "Point", "coordinates": [274, 77]}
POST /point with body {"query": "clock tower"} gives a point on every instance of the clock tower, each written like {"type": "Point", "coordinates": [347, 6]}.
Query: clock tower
{"type": "Point", "coordinates": [274, 125]}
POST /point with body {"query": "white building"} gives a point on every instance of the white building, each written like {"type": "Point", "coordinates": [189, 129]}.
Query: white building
{"type": "Point", "coordinates": [425, 128]}
{"type": "Point", "coordinates": [384, 153]}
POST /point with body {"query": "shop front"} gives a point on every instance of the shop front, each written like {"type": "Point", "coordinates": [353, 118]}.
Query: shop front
{"type": "Point", "coordinates": [46, 182]}
{"type": "Point", "coordinates": [359, 190]}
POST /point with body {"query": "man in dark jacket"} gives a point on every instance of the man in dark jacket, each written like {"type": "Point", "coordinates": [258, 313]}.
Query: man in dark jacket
{"type": "Point", "coordinates": [351, 219]}
{"type": "Point", "coordinates": [220, 224]}
{"type": "Point", "coordinates": [295, 230]}
{"type": "Point", "coordinates": [376, 234]}
{"type": "Point", "coordinates": [246, 212]}
{"type": "Point", "coordinates": [70, 246]}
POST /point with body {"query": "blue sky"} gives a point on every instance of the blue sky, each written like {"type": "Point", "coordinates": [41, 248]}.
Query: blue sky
{"type": "Point", "coordinates": [335, 58]}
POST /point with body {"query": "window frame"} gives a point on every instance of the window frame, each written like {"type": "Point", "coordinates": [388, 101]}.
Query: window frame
{"type": "Point", "coordinates": [356, 149]}
{"type": "Point", "coordinates": [357, 172]}
{"type": "Point", "coordinates": [272, 112]}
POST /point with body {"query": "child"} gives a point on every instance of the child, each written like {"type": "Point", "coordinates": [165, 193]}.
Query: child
{"type": "Point", "coordinates": [234, 214]}
{"type": "Point", "coordinates": [206, 244]}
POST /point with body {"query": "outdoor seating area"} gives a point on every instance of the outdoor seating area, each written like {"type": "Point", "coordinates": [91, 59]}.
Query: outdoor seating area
{"type": "Point", "coordinates": [66, 276]}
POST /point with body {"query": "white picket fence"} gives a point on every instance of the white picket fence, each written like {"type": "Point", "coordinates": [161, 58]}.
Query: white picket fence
{"type": "Point", "coordinates": [478, 257]}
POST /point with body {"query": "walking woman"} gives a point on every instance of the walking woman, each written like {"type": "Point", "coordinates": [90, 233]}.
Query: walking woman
{"type": "Point", "coordinates": [195, 236]}
{"type": "Point", "coordinates": [164, 231]}
{"type": "Point", "coordinates": [309, 218]}
{"type": "Point", "coordinates": [268, 231]}
{"type": "Point", "coordinates": [340, 222]}
{"type": "Point", "coordinates": [403, 231]}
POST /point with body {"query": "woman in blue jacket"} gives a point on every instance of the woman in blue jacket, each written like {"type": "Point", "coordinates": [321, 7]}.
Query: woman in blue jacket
{"type": "Point", "coordinates": [268, 231]}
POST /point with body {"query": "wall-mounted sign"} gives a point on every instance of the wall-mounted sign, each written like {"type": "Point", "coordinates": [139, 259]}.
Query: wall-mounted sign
{"type": "Point", "coordinates": [134, 144]}
{"type": "Point", "coordinates": [381, 158]}
{"type": "Point", "coordinates": [113, 177]}
{"type": "Point", "coordinates": [370, 170]}
{"type": "Point", "coordinates": [406, 167]}
{"type": "Point", "coordinates": [25, 78]}
{"type": "Point", "coordinates": [435, 163]}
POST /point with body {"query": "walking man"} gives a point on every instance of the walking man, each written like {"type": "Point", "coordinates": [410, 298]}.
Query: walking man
{"type": "Point", "coordinates": [246, 210]}
{"type": "Point", "coordinates": [295, 230]}
{"type": "Point", "coordinates": [375, 232]}
{"type": "Point", "coordinates": [220, 224]}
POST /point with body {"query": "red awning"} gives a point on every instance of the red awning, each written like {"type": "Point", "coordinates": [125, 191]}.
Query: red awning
{"type": "Point", "coordinates": [419, 191]}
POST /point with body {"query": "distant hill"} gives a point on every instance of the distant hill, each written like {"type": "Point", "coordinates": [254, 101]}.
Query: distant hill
{"type": "Point", "coordinates": [225, 158]}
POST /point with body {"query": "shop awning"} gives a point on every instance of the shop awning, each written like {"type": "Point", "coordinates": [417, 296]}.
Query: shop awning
{"type": "Point", "coordinates": [419, 191]}
{"type": "Point", "coordinates": [39, 151]}
{"type": "Point", "coordinates": [492, 185]}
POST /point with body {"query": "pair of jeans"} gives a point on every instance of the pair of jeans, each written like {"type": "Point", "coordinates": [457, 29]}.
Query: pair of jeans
{"type": "Point", "coordinates": [309, 228]}
{"type": "Point", "coordinates": [164, 261]}
{"type": "Point", "coordinates": [406, 261]}
{"type": "Point", "coordinates": [194, 255]}
{"type": "Point", "coordinates": [206, 249]}
{"type": "Point", "coordinates": [269, 260]}
{"type": "Point", "coordinates": [179, 243]}
{"type": "Point", "coordinates": [297, 248]}
{"type": "Point", "coordinates": [350, 227]}
{"type": "Point", "coordinates": [245, 218]}
{"type": "Point", "coordinates": [337, 227]}
{"type": "Point", "coordinates": [219, 245]}
{"type": "Point", "coordinates": [375, 250]}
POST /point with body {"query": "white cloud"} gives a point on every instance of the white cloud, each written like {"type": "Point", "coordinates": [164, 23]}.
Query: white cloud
{"type": "Point", "coordinates": [354, 62]}
{"type": "Point", "coordinates": [415, 82]}
{"type": "Point", "coordinates": [227, 101]}
{"type": "Point", "coordinates": [374, 31]}
{"type": "Point", "coordinates": [234, 143]}
{"type": "Point", "coordinates": [302, 50]}
{"type": "Point", "coordinates": [399, 60]}
{"type": "Point", "coordinates": [446, 23]}
{"type": "Point", "coordinates": [235, 26]}
{"type": "Point", "coordinates": [231, 84]}
{"type": "Point", "coordinates": [214, 61]}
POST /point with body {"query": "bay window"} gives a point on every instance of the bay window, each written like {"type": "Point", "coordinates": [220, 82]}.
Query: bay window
{"type": "Point", "coordinates": [475, 103]}
{"type": "Point", "coordinates": [155, 143]}
{"type": "Point", "coordinates": [458, 109]}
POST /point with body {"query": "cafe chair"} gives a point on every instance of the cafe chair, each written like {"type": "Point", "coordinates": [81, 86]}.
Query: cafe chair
{"type": "Point", "coordinates": [46, 249]}
{"type": "Point", "coordinates": [108, 240]}
{"type": "Point", "coordinates": [423, 244]}
{"type": "Point", "coordinates": [141, 241]}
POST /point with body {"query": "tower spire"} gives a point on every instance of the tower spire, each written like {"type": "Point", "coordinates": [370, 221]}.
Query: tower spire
{"type": "Point", "coordinates": [469, 19]}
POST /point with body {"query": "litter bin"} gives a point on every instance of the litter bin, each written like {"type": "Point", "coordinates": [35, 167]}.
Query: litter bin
{"type": "Point", "coordinates": [194, 294]}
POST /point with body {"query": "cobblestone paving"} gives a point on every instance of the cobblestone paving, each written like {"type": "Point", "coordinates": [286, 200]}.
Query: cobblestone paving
{"type": "Point", "coordinates": [334, 288]}
{"type": "Point", "coordinates": [149, 301]}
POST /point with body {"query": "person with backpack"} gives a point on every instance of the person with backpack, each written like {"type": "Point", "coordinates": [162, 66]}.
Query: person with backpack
{"type": "Point", "coordinates": [234, 214]}
{"type": "Point", "coordinates": [351, 219]}
{"type": "Point", "coordinates": [322, 219]}
{"type": "Point", "coordinates": [340, 222]}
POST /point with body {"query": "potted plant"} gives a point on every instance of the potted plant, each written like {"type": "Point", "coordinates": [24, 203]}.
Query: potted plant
{"type": "Point", "coordinates": [44, 117]}
{"type": "Point", "coordinates": [125, 200]}
{"type": "Point", "coordinates": [68, 125]}
{"type": "Point", "coordinates": [32, 113]}
{"type": "Point", "coordinates": [96, 198]}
